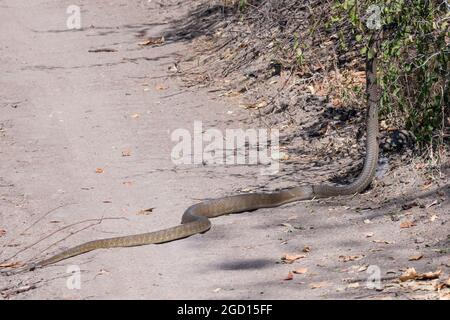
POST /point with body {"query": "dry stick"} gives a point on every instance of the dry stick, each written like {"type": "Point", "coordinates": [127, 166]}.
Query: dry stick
{"type": "Point", "coordinates": [99, 221]}
{"type": "Point", "coordinates": [53, 233]}
{"type": "Point", "coordinates": [36, 222]}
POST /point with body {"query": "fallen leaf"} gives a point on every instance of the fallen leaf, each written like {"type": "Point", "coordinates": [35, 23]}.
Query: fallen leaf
{"type": "Point", "coordinates": [336, 102]}
{"type": "Point", "coordinates": [411, 274]}
{"type": "Point", "coordinates": [435, 202]}
{"type": "Point", "coordinates": [135, 115]}
{"type": "Point", "coordinates": [441, 285]}
{"type": "Point", "coordinates": [306, 248]}
{"type": "Point", "coordinates": [407, 224]}
{"type": "Point", "coordinates": [161, 87]}
{"type": "Point", "coordinates": [369, 234]}
{"type": "Point", "coordinates": [14, 265]}
{"type": "Point", "coordinates": [318, 285]}
{"type": "Point", "coordinates": [301, 271]}
{"type": "Point", "coordinates": [152, 41]}
{"type": "Point", "coordinates": [430, 275]}
{"type": "Point", "coordinates": [433, 218]}
{"type": "Point", "coordinates": [353, 285]}
{"type": "Point", "coordinates": [290, 258]}
{"type": "Point", "coordinates": [103, 272]}
{"type": "Point", "coordinates": [99, 170]}
{"type": "Point", "coordinates": [416, 257]}
{"type": "Point", "coordinates": [255, 105]}
{"type": "Point", "coordinates": [102, 50]}
{"type": "Point", "coordinates": [381, 241]}
{"type": "Point", "coordinates": [145, 212]}
{"type": "Point", "coordinates": [287, 225]}
{"type": "Point", "coordinates": [363, 268]}
{"type": "Point", "coordinates": [2, 232]}
{"type": "Point", "coordinates": [367, 221]}
{"type": "Point", "coordinates": [173, 68]}
{"type": "Point", "coordinates": [6, 294]}
{"type": "Point", "coordinates": [427, 185]}
{"type": "Point", "coordinates": [351, 258]}
{"type": "Point", "coordinates": [126, 153]}
{"type": "Point", "coordinates": [127, 183]}
{"type": "Point", "coordinates": [289, 277]}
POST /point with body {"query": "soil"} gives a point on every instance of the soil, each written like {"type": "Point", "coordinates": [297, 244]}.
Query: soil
{"type": "Point", "coordinates": [85, 143]}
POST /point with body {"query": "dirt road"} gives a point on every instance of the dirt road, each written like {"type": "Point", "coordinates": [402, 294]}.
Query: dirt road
{"type": "Point", "coordinates": [86, 118]}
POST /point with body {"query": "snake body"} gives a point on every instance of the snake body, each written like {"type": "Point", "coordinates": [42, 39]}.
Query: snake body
{"type": "Point", "coordinates": [196, 219]}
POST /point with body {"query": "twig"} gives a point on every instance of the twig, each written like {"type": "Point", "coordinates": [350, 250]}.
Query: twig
{"type": "Point", "coordinates": [36, 222]}
{"type": "Point", "coordinates": [56, 231]}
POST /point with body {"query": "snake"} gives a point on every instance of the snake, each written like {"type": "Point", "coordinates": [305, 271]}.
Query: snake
{"type": "Point", "coordinates": [196, 218]}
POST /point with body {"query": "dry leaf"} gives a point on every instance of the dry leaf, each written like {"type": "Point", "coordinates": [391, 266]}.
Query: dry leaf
{"type": "Point", "coordinates": [318, 285]}
{"type": "Point", "coordinates": [126, 153]}
{"type": "Point", "coordinates": [435, 202]}
{"type": "Point", "coordinates": [336, 102]}
{"type": "Point", "coordinates": [290, 258]}
{"type": "Point", "coordinates": [411, 274]}
{"type": "Point", "coordinates": [99, 170]}
{"type": "Point", "coordinates": [2, 232]}
{"type": "Point", "coordinates": [14, 265]}
{"type": "Point", "coordinates": [102, 50]}
{"type": "Point", "coordinates": [256, 105]}
{"type": "Point", "coordinates": [289, 277]}
{"type": "Point", "coordinates": [369, 234]}
{"type": "Point", "coordinates": [430, 275]}
{"type": "Point", "coordinates": [102, 272]}
{"type": "Point", "coordinates": [152, 41]}
{"type": "Point", "coordinates": [381, 241]}
{"type": "Point", "coordinates": [135, 115]}
{"type": "Point", "coordinates": [407, 224]}
{"type": "Point", "coordinates": [306, 248]}
{"type": "Point", "coordinates": [363, 268]}
{"type": "Point", "coordinates": [353, 285]}
{"type": "Point", "coordinates": [301, 271]}
{"type": "Point", "coordinates": [127, 183]}
{"type": "Point", "coordinates": [161, 87]}
{"type": "Point", "coordinates": [145, 212]}
{"type": "Point", "coordinates": [173, 68]}
{"type": "Point", "coordinates": [416, 257]}
{"type": "Point", "coordinates": [427, 185]}
{"type": "Point", "coordinates": [351, 258]}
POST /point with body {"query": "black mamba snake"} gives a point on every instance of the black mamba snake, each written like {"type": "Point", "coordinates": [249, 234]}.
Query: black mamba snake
{"type": "Point", "coordinates": [196, 218]}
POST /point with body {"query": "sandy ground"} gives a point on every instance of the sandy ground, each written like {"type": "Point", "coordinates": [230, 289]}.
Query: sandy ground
{"type": "Point", "coordinates": [66, 113]}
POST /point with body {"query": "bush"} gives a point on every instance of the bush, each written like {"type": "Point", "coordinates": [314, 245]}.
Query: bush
{"type": "Point", "coordinates": [414, 62]}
